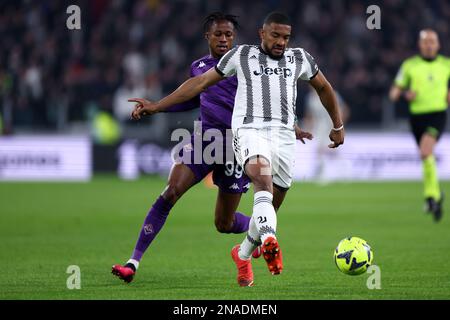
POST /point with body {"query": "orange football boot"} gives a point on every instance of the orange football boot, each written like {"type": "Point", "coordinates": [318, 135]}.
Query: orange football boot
{"type": "Point", "coordinates": [245, 272]}
{"type": "Point", "coordinates": [272, 254]}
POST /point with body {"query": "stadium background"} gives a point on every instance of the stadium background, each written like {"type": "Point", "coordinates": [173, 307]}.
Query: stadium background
{"type": "Point", "coordinates": [64, 116]}
{"type": "Point", "coordinates": [58, 81]}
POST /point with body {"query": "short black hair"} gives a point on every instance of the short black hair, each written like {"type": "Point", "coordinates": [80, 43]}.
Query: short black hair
{"type": "Point", "coordinates": [219, 16]}
{"type": "Point", "coordinates": [277, 17]}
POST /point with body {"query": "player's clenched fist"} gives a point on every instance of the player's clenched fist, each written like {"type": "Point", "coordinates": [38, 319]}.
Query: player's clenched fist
{"type": "Point", "coordinates": [142, 108]}
{"type": "Point", "coordinates": [337, 136]}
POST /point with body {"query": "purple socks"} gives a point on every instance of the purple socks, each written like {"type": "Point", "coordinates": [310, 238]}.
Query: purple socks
{"type": "Point", "coordinates": [240, 224]}
{"type": "Point", "coordinates": [156, 218]}
{"type": "Point", "coordinates": [152, 225]}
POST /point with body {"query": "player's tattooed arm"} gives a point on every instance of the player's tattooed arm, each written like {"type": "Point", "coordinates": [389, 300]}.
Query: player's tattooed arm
{"type": "Point", "coordinates": [329, 101]}
{"type": "Point", "coordinates": [188, 90]}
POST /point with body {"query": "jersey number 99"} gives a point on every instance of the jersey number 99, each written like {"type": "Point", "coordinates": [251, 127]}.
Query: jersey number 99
{"type": "Point", "coordinates": [232, 168]}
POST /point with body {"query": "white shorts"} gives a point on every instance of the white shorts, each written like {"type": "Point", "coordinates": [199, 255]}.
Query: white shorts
{"type": "Point", "coordinates": [275, 144]}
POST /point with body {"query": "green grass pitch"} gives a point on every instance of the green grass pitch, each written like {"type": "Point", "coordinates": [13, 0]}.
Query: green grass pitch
{"type": "Point", "coordinates": [45, 227]}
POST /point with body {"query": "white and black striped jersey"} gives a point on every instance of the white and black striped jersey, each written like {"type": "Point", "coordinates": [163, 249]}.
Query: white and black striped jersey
{"type": "Point", "coordinates": [267, 88]}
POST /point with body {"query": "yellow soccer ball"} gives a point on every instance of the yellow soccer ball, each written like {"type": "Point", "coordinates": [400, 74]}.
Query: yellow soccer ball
{"type": "Point", "coordinates": [353, 256]}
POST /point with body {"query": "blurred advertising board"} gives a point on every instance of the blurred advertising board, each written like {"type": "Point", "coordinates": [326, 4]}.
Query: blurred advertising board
{"type": "Point", "coordinates": [136, 158]}
{"type": "Point", "coordinates": [363, 157]}
{"type": "Point", "coordinates": [369, 157]}
{"type": "Point", "coordinates": [45, 158]}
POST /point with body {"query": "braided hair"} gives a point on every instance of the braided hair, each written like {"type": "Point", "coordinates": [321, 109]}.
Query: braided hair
{"type": "Point", "coordinates": [219, 16]}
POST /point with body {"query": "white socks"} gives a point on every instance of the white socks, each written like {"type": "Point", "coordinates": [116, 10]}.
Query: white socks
{"type": "Point", "coordinates": [135, 263]}
{"type": "Point", "coordinates": [250, 242]}
{"type": "Point", "coordinates": [263, 224]}
{"type": "Point", "coordinates": [264, 215]}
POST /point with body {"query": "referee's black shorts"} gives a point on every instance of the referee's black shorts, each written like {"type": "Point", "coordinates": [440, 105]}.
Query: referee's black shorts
{"type": "Point", "coordinates": [431, 123]}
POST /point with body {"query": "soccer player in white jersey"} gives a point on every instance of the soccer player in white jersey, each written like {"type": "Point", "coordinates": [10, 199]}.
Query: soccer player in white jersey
{"type": "Point", "coordinates": [263, 125]}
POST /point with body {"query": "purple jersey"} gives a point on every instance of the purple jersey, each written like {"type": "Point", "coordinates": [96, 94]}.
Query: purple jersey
{"type": "Point", "coordinates": [216, 108]}
{"type": "Point", "coordinates": [216, 102]}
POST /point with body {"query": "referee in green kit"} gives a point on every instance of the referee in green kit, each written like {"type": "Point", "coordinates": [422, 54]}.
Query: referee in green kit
{"type": "Point", "coordinates": [423, 80]}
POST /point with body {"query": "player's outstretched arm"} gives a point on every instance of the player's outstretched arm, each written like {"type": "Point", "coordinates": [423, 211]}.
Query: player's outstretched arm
{"type": "Point", "coordinates": [188, 90]}
{"type": "Point", "coordinates": [185, 106]}
{"type": "Point", "coordinates": [330, 102]}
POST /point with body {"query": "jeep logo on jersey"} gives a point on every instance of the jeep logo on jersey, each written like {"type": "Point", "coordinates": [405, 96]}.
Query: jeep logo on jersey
{"type": "Point", "coordinates": [285, 72]}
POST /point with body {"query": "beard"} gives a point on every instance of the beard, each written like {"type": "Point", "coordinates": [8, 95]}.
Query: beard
{"type": "Point", "coordinates": [278, 56]}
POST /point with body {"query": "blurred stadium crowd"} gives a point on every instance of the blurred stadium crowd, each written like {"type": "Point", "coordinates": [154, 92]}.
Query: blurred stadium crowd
{"type": "Point", "coordinates": [52, 77]}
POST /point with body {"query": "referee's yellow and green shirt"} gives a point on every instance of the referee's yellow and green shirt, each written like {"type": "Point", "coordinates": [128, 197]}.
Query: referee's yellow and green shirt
{"type": "Point", "coordinates": [429, 80]}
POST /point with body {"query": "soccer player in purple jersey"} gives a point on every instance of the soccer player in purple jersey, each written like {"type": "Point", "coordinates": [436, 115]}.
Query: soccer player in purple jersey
{"type": "Point", "coordinates": [215, 113]}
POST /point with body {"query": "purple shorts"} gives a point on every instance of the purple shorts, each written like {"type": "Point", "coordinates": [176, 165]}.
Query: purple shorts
{"type": "Point", "coordinates": [228, 175]}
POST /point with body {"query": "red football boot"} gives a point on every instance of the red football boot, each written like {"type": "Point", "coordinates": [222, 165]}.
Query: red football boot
{"type": "Point", "coordinates": [257, 252]}
{"type": "Point", "coordinates": [245, 272]}
{"type": "Point", "coordinates": [123, 272]}
{"type": "Point", "coordinates": [272, 254]}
